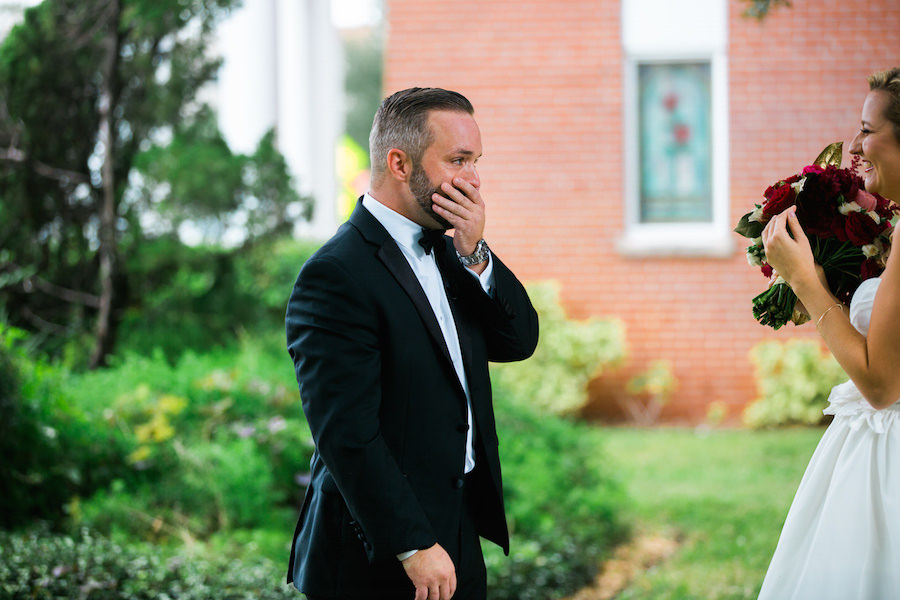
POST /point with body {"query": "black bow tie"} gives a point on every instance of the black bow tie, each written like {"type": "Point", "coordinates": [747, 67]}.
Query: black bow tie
{"type": "Point", "coordinates": [431, 238]}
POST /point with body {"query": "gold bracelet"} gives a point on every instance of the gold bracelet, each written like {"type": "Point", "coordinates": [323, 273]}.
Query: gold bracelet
{"type": "Point", "coordinates": [828, 310]}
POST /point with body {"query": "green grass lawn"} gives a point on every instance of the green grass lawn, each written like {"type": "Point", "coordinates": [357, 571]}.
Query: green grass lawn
{"type": "Point", "coordinates": [723, 493]}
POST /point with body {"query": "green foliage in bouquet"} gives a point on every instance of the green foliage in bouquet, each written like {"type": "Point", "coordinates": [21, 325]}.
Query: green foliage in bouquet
{"type": "Point", "coordinates": [794, 380]}
{"type": "Point", "coordinates": [569, 354]}
{"type": "Point", "coordinates": [564, 504]}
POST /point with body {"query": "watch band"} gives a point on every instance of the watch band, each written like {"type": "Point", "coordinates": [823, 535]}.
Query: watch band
{"type": "Point", "coordinates": [481, 254]}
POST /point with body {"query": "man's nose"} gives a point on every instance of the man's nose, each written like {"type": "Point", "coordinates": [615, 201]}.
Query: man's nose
{"type": "Point", "coordinates": [470, 174]}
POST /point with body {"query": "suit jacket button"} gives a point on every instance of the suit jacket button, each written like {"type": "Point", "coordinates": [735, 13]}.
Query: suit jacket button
{"type": "Point", "coordinates": [458, 483]}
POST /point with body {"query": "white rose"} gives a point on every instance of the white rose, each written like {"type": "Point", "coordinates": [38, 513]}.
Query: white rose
{"type": "Point", "coordinates": [753, 260]}
{"type": "Point", "coordinates": [870, 250]}
{"type": "Point", "coordinates": [848, 207]}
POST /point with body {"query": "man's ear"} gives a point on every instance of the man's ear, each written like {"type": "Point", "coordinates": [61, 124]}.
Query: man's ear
{"type": "Point", "coordinates": [399, 164]}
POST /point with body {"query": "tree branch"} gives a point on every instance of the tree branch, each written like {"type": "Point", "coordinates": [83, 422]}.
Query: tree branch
{"type": "Point", "coordinates": [16, 156]}
{"type": "Point", "coordinates": [34, 282]}
{"type": "Point", "coordinates": [44, 325]}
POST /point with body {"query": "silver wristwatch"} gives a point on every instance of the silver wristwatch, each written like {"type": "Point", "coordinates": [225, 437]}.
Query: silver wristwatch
{"type": "Point", "coordinates": [481, 254]}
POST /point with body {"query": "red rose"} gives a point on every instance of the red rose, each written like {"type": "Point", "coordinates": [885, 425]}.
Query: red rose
{"type": "Point", "coordinates": [812, 169]}
{"type": "Point", "coordinates": [767, 269]}
{"type": "Point", "coordinates": [870, 268]}
{"type": "Point", "coordinates": [861, 229]}
{"type": "Point", "coordinates": [778, 198]}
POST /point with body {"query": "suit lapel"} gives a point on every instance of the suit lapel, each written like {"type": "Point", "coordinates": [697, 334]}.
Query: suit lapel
{"type": "Point", "coordinates": [389, 254]}
{"type": "Point", "coordinates": [396, 263]}
{"type": "Point", "coordinates": [446, 264]}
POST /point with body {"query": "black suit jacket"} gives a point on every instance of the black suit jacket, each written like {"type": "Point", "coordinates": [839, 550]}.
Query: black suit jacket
{"type": "Point", "coordinates": [386, 409]}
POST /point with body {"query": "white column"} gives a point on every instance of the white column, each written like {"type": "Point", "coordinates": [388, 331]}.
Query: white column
{"type": "Point", "coordinates": [310, 76]}
{"type": "Point", "coordinates": [283, 68]}
{"type": "Point", "coordinates": [248, 77]}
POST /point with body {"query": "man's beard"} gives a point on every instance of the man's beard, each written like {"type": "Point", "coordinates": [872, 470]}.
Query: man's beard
{"type": "Point", "coordinates": [423, 189]}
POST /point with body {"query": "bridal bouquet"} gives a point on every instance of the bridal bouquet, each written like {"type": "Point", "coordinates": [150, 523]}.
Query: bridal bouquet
{"type": "Point", "coordinates": [848, 228]}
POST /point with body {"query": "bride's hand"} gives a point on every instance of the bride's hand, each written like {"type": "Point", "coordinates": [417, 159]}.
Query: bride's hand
{"type": "Point", "coordinates": [787, 248]}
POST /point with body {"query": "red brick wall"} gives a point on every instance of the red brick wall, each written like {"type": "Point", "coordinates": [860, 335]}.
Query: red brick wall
{"type": "Point", "coordinates": [546, 82]}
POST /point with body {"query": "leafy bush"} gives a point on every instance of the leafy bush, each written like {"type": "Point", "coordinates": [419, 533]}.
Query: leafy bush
{"type": "Point", "coordinates": [50, 451]}
{"type": "Point", "coordinates": [212, 451]}
{"type": "Point", "coordinates": [649, 391]}
{"type": "Point", "coordinates": [209, 296]}
{"type": "Point", "coordinates": [563, 505]}
{"type": "Point", "coordinates": [794, 380]}
{"type": "Point", "coordinates": [569, 354]}
{"type": "Point", "coordinates": [40, 566]}
{"type": "Point", "coordinates": [222, 434]}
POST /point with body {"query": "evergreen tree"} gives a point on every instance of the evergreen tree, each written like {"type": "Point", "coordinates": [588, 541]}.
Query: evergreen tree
{"type": "Point", "coordinates": [102, 142]}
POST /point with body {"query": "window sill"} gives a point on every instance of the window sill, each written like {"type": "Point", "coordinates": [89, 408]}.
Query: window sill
{"type": "Point", "coordinates": [669, 241]}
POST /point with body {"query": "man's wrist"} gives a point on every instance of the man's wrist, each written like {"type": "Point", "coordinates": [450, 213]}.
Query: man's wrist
{"type": "Point", "coordinates": [480, 255]}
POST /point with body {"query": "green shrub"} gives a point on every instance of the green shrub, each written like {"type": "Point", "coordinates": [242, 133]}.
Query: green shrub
{"type": "Point", "coordinates": [649, 392]}
{"type": "Point", "coordinates": [41, 566]}
{"type": "Point", "coordinates": [220, 437]}
{"type": "Point", "coordinates": [794, 380]}
{"type": "Point", "coordinates": [569, 354]}
{"type": "Point", "coordinates": [563, 505]}
{"type": "Point", "coordinates": [207, 295]}
{"type": "Point", "coordinates": [51, 451]}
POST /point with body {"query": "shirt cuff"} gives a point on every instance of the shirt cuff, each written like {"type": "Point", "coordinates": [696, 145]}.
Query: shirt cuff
{"type": "Point", "coordinates": [486, 278]}
{"type": "Point", "coordinates": [404, 555]}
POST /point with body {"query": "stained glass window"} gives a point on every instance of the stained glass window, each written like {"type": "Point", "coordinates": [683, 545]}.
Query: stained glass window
{"type": "Point", "coordinates": [675, 142]}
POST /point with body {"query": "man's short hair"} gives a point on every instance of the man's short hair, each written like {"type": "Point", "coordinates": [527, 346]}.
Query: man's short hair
{"type": "Point", "coordinates": [402, 122]}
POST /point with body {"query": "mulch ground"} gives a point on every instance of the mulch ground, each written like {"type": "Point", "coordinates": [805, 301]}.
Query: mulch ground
{"type": "Point", "coordinates": [628, 560]}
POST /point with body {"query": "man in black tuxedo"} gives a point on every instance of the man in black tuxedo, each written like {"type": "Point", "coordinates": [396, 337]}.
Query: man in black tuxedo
{"type": "Point", "coordinates": [391, 325]}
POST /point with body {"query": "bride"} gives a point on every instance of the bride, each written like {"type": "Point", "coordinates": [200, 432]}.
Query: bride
{"type": "Point", "coordinates": [841, 538]}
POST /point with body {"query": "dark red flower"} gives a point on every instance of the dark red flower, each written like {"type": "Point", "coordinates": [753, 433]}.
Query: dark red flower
{"type": "Point", "coordinates": [870, 268]}
{"type": "Point", "coordinates": [884, 208]}
{"type": "Point", "coordinates": [767, 269]}
{"type": "Point", "coordinates": [862, 229]}
{"type": "Point", "coordinates": [778, 198]}
{"type": "Point", "coordinates": [817, 208]}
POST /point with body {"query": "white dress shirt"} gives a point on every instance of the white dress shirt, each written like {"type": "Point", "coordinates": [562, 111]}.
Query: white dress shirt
{"type": "Point", "coordinates": [407, 233]}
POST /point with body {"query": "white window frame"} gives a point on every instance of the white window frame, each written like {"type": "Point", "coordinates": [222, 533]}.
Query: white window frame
{"type": "Point", "coordinates": [708, 238]}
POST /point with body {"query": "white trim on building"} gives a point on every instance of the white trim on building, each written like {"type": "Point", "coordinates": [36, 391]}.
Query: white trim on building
{"type": "Point", "coordinates": [661, 31]}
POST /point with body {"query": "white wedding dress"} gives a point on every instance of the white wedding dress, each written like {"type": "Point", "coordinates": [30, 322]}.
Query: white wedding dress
{"type": "Point", "coordinates": [841, 538]}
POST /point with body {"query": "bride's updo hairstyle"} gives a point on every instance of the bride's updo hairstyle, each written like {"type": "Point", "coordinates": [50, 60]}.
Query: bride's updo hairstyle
{"type": "Point", "coordinates": [889, 81]}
